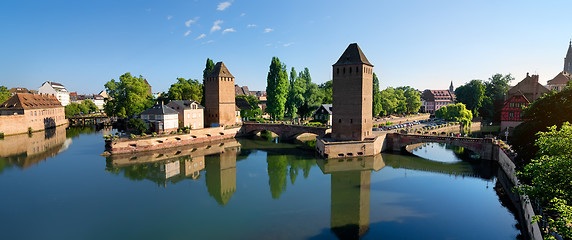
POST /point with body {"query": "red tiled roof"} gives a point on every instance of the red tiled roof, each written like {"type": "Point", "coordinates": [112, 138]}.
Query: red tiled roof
{"type": "Point", "coordinates": [30, 101]}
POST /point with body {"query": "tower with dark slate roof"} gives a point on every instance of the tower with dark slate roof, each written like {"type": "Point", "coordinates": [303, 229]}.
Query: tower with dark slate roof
{"type": "Point", "coordinates": [219, 97]}
{"type": "Point", "coordinates": [352, 96]}
{"type": "Point", "coordinates": [568, 59]}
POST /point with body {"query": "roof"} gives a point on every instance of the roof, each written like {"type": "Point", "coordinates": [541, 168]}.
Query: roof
{"type": "Point", "coordinates": [437, 95]}
{"type": "Point", "coordinates": [159, 109]}
{"type": "Point", "coordinates": [327, 107]}
{"type": "Point", "coordinates": [186, 104]}
{"type": "Point", "coordinates": [561, 78]}
{"type": "Point", "coordinates": [352, 55]}
{"type": "Point", "coordinates": [219, 70]}
{"type": "Point", "coordinates": [30, 101]}
{"type": "Point", "coordinates": [242, 104]}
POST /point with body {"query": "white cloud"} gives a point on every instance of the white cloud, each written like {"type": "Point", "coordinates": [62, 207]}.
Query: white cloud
{"type": "Point", "coordinates": [201, 36]}
{"type": "Point", "coordinates": [223, 5]}
{"type": "Point", "coordinates": [187, 33]}
{"type": "Point", "coordinates": [251, 25]}
{"type": "Point", "coordinates": [216, 25]}
{"type": "Point", "coordinates": [228, 30]}
{"type": "Point", "coordinates": [287, 44]}
{"type": "Point", "coordinates": [191, 21]}
{"type": "Point", "coordinates": [268, 44]}
{"type": "Point", "coordinates": [209, 41]}
{"type": "Point", "coordinates": [243, 14]}
{"type": "Point", "coordinates": [169, 17]}
{"type": "Point", "coordinates": [267, 30]}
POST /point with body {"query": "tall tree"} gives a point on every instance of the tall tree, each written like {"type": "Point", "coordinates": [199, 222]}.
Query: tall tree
{"type": "Point", "coordinates": [295, 95]}
{"type": "Point", "coordinates": [312, 95]}
{"type": "Point", "coordinates": [496, 88]}
{"type": "Point", "coordinates": [376, 105]}
{"type": "Point", "coordinates": [412, 99]}
{"type": "Point", "coordinates": [129, 96]}
{"type": "Point", "coordinates": [4, 94]}
{"type": "Point", "coordinates": [276, 89]}
{"type": "Point", "coordinates": [471, 94]}
{"type": "Point", "coordinates": [326, 89]}
{"type": "Point", "coordinates": [208, 68]}
{"type": "Point", "coordinates": [456, 112]}
{"type": "Point", "coordinates": [277, 174]}
{"type": "Point", "coordinates": [183, 89]}
{"type": "Point", "coordinates": [388, 101]}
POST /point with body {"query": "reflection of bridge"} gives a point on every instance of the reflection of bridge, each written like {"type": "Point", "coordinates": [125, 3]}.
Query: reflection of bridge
{"type": "Point", "coordinates": [483, 146]}
{"type": "Point", "coordinates": [284, 131]}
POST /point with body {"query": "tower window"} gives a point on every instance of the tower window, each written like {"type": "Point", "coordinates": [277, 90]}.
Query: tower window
{"type": "Point", "coordinates": [350, 70]}
{"type": "Point", "coordinates": [351, 121]}
{"type": "Point", "coordinates": [357, 71]}
{"type": "Point", "coordinates": [338, 71]}
{"type": "Point", "coordinates": [344, 70]}
{"type": "Point", "coordinates": [340, 120]}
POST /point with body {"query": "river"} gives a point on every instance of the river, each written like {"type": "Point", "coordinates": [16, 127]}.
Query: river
{"type": "Point", "coordinates": [55, 185]}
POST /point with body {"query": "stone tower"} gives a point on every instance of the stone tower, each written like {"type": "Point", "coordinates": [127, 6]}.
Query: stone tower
{"type": "Point", "coordinates": [568, 59]}
{"type": "Point", "coordinates": [451, 88]}
{"type": "Point", "coordinates": [219, 97]}
{"type": "Point", "coordinates": [352, 96]}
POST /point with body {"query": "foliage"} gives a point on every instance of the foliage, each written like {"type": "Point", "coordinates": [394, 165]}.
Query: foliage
{"type": "Point", "coordinates": [412, 99]}
{"type": "Point", "coordinates": [276, 89]}
{"type": "Point", "coordinates": [71, 110]}
{"type": "Point", "coordinates": [399, 100]}
{"type": "Point", "coordinates": [548, 179]}
{"type": "Point", "coordinates": [209, 66]}
{"type": "Point", "coordinates": [277, 173]}
{"type": "Point", "coordinates": [295, 94]}
{"type": "Point", "coordinates": [326, 88]}
{"type": "Point", "coordinates": [87, 106]}
{"type": "Point", "coordinates": [4, 94]}
{"type": "Point", "coordinates": [129, 96]}
{"type": "Point", "coordinates": [186, 89]}
{"type": "Point", "coordinates": [376, 105]}
{"type": "Point", "coordinates": [138, 125]}
{"type": "Point", "coordinates": [495, 89]}
{"type": "Point", "coordinates": [456, 112]}
{"type": "Point", "coordinates": [549, 110]}
{"type": "Point", "coordinates": [253, 102]}
{"type": "Point", "coordinates": [472, 95]}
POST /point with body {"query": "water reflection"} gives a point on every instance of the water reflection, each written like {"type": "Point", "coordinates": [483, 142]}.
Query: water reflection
{"type": "Point", "coordinates": [350, 193]}
{"type": "Point", "coordinates": [221, 174]}
{"type": "Point", "coordinates": [24, 151]}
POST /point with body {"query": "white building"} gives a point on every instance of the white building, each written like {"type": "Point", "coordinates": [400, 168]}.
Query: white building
{"type": "Point", "coordinates": [57, 90]}
{"type": "Point", "coordinates": [161, 118]}
{"type": "Point", "coordinates": [98, 100]}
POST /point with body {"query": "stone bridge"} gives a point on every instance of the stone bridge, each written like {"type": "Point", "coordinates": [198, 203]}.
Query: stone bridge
{"type": "Point", "coordinates": [483, 146]}
{"type": "Point", "coordinates": [284, 131]}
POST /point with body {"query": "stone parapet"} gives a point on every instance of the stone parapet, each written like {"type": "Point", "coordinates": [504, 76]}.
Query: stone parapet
{"type": "Point", "coordinates": [327, 148]}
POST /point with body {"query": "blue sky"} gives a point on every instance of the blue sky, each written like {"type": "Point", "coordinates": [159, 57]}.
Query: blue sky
{"type": "Point", "coordinates": [423, 44]}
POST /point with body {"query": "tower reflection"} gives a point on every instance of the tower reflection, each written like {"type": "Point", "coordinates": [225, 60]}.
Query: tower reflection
{"type": "Point", "coordinates": [350, 199]}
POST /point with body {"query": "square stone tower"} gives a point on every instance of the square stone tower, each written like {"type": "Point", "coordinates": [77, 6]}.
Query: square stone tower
{"type": "Point", "coordinates": [352, 96]}
{"type": "Point", "coordinates": [219, 97]}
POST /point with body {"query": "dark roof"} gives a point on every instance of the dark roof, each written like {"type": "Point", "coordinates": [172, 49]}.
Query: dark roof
{"type": "Point", "coordinates": [30, 101]}
{"type": "Point", "coordinates": [220, 70]}
{"type": "Point", "coordinates": [561, 78]}
{"type": "Point", "coordinates": [437, 95]}
{"type": "Point", "coordinates": [327, 107]}
{"type": "Point", "coordinates": [159, 109]}
{"type": "Point", "coordinates": [186, 104]}
{"type": "Point", "coordinates": [353, 55]}
{"type": "Point", "coordinates": [242, 104]}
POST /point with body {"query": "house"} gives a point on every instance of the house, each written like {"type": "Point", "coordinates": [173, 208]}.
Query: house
{"type": "Point", "coordinates": [161, 118]}
{"type": "Point", "coordinates": [25, 111]}
{"type": "Point", "coordinates": [435, 99]}
{"type": "Point", "coordinates": [324, 113]}
{"type": "Point", "coordinates": [190, 113]}
{"type": "Point", "coordinates": [56, 89]}
{"type": "Point", "coordinates": [559, 82]}
{"type": "Point", "coordinates": [21, 90]}
{"type": "Point", "coordinates": [517, 97]}
{"type": "Point", "coordinates": [98, 100]}
{"type": "Point", "coordinates": [241, 90]}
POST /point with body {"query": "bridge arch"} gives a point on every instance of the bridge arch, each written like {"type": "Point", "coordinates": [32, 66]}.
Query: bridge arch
{"type": "Point", "coordinates": [284, 131]}
{"type": "Point", "coordinates": [484, 147]}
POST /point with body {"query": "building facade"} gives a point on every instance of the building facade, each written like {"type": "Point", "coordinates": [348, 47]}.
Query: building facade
{"type": "Point", "coordinates": [57, 90]}
{"type": "Point", "coordinates": [191, 113]}
{"type": "Point", "coordinates": [435, 99]}
{"type": "Point", "coordinates": [324, 113]}
{"type": "Point", "coordinates": [517, 97]}
{"type": "Point", "coordinates": [25, 111]}
{"type": "Point", "coordinates": [161, 118]}
{"type": "Point", "coordinates": [352, 96]}
{"type": "Point", "coordinates": [559, 82]}
{"type": "Point", "coordinates": [220, 108]}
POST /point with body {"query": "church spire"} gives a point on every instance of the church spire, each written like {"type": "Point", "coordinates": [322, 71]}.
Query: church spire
{"type": "Point", "coordinates": [568, 59]}
{"type": "Point", "coordinates": [451, 89]}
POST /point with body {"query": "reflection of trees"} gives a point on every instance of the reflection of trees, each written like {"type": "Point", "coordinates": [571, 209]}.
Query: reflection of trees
{"type": "Point", "coordinates": [76, 131]}
{"type": "Point", "coordinates": [277, 169]}
{"type": "Point", "coordinates": [280, 167]}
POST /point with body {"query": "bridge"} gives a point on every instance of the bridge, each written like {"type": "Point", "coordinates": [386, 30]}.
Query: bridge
{"type": "Point", "coordinates": [86, 120]}
{"type": "Point", "coordinates": [483, 146]}
{"type": "Point", "coordinates": [284, 131]}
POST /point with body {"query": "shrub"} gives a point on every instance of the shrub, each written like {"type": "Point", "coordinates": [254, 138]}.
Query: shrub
{"type": "Point", "coordinates": [154, 134]}
{"type": "Point", "coordinates": [1, 135]}
{"type": "Point", "coordinates": [132, 136]}
{"type": "Point", "coordinates": [30, 131]}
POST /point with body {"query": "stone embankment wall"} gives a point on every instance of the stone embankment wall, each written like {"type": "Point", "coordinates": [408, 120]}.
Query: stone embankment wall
{"type": "Point", "coordinates": [401, 120]}
{"type": "Point", "coordinates": [522, 203]}
{"type": "Point", "coordinates": [168, 141]}
{"type": "Point", "coordinates": [19, 124]}
{"type": "Point", "coordinates": [333, 149]}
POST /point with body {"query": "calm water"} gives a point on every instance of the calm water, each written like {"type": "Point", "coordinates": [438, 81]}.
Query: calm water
{"type": "Point", "coordinates": [57, 186]}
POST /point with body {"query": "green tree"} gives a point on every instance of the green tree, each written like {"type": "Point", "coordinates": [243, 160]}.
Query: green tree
{"type": "Point", "coordinates": [183, 89]}
{"type": "Point", "coordinates": [376, 105]}
{"type": "Point", "coordinates": [412, 99]}
{"type": "Point", "coordinates": [276, 89]}
{"type": "Point", "coordinates": [326, 89]}
{"type": "Point", "coordinates": [495, 89]}
{"type": "Point", "coordinates": [71, 110]}
{"type": "Point", "coordinates": [471, 94]}
{"type": "Point", "coordinates": [138, 125]}
{"type": "Point", "coordinates": [456, 112]}
{"type": "Point", "coordinates": [552, 109]}
{"type": "Point", "coordinates": [87, 106]}
{"type": "Point", "coordinates": [129, 96]}
{"type": "Point", "coordinates": [548, 179]}
{"type": "Point", "coordinates": [295, 94]}
{"type": "Point", "coordinates": [4, 94]}
{"type": "Point", "coordinates": [277, 174]}
{"type": "Point", "coordinates": [209, 66]}
{"type": "Point", "coordinates": [312, 95]}
{"type": "Point", "coordinates": [388, 101]}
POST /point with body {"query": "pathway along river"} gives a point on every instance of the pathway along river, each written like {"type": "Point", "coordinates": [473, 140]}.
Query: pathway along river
{"type": "Point", "coordinates": [55, 185]}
